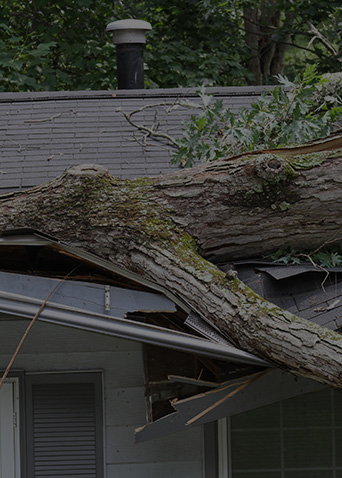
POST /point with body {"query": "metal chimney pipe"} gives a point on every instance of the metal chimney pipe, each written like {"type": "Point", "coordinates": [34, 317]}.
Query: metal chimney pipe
{"type": "Point", "coordinates": [129, 38]}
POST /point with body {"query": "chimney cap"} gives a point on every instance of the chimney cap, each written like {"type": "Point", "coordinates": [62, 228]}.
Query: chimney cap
{"type": "Point", "coordinates": [129, 31]}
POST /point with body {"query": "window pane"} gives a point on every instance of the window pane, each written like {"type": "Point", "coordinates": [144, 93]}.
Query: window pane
{"type": "Point", "coordinates": [308, 410]}
{"type": "Point", "coordinates": [298, 438]}
{"type": "Point", "coordinates": [338, 407]}
{"type": "Point", "coordinates": [263, 417]}
{"type": "Point", "coordinates": [308, 448]}
{"type": "Point", "coordinates": [338, 438]}
{"type": "Point", "coordinates": [256, 449]}
{"type": "Point", "coordinates": [310, 474]}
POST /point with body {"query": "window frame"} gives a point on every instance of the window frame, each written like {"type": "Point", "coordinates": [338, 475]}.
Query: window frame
{"type": "Point", "coordinates": [224, 458]}
{"type": "Point", "coordinates": [16, 382]}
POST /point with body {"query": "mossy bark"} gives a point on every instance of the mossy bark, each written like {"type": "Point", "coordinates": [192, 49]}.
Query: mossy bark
{"type": "Point", "coordinates": [167, 229]}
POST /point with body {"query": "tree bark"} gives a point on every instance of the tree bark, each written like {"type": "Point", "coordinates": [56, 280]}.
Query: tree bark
{"type": "Point", "coordinates": [252, 34]}
{"type": "Point", "coordinates": [169, 228]}
{"type": "Point", "coordinates": [267, 37]}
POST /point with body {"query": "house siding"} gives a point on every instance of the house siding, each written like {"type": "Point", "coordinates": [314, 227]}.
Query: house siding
{"type": "Point", "coordinates": [52, 348]}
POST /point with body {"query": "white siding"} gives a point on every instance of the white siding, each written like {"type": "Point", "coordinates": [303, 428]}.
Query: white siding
{"type": "Point", "coordinates": [55, 348]}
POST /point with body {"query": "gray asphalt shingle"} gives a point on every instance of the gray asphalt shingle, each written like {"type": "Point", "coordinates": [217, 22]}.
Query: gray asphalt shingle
{"type": "Point", "coordinates": [43, 133]}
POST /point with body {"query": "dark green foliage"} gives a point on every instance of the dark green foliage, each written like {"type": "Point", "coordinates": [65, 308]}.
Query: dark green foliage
{"type": "Point", "coordinates": [280, 117]}
{"type": "Point", "coordinates": [63, 45]}
{"type": "Point", "coordinates": [194, 42]}
{"type": "Point", "coordinates": [56, 45]}
{"type": "Point", "coordinates": [322, 259]}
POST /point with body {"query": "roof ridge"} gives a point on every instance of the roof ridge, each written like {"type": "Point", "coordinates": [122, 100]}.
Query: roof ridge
{"type": "Point", "coordinates": [13, 97]}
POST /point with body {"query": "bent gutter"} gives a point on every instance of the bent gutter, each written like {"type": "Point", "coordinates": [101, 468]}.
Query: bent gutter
{"type": "Point", "coordinates": [36, 238]}
{"type": "Point", "coordinates": [26, 307]}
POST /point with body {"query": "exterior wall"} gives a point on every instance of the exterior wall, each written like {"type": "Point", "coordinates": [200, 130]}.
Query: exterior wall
{"type": "Point", "coordinates": [52, 348]}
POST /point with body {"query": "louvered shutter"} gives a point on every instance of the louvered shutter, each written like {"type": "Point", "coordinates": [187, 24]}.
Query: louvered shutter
{"type": "Point", "coordinates": [63, 431]}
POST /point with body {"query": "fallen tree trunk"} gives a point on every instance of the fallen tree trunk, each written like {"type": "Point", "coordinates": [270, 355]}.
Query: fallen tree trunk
{"type": "Point", "coordinates": [167, 229]}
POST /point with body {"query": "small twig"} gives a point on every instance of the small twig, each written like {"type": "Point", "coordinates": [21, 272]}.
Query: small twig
{"type": "Point", "coordinates": [43, 120]}
{"type": "Point", "coordinates": [328, 241]}
{"type": "Point", "coordinates": [8, 368]}
{"type": "Point", "coordinates": [149, 131]}
{"type": "Point", "coordinates": [153, 130]}
{"type": "Point", "coordinates": [317, 267]}
{"type": "Point", "coordinates": [319, 36]}
{"type": "Point", "coordinates": [308, 256]}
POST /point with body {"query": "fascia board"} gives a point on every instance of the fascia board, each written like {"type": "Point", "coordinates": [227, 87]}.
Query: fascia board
{"type": "Point", "coordinates": [40, 239]}
{"type": "Point", "coordinates": [95, 298]}
{"type": "Point", "coordinates": [130, 275]}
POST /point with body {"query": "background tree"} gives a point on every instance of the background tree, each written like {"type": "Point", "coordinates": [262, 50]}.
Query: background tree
{"type": "Point", "coordinates": [276, 28]}
{"type": "Point", "coordinates": [56, 46]}
{"type": "Point", "coordinates": [63, 45]}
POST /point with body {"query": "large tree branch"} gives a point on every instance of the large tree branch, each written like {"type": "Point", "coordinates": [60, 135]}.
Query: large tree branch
{"type": "Point", "coordinates": [165, 228]}
{"type": "Point", "coordinates": [318, 35]}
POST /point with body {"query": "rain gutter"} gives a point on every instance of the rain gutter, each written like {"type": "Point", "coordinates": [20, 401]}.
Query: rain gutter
{"type": "Point", "coordinates": [16, 305]}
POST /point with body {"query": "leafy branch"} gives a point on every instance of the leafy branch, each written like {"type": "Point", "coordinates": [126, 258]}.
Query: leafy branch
{"type": "Point", "coordinates": [322, 259]}
{"type": "Point", "coordinates": [291, 113]}
{"type": "Point", "coordinates": [283, 116]}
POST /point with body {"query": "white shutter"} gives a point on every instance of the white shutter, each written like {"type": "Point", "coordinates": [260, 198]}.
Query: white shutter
{"type": "Point", "coordinates": [63, 431]}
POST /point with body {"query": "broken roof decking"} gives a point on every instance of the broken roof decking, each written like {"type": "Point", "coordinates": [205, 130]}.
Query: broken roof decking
{"type": "Point", "coordinates": [42, 134]}
{"type": "Point", "coordinates": [228, 399]}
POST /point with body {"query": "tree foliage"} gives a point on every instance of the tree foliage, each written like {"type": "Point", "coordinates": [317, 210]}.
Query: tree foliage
{"type": "Point", "coordinates": [56, 46]}
{"type": "Point", "coordinates": [290, 114]}
{"type": "Point", "coordinates": [277, 30]}
{"type": "Point", "coordinates": [63, 45]}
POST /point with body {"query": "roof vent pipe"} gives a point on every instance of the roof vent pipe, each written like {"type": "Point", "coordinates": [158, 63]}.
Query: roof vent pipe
{"type": "Point", "coordinates": [129, 38]}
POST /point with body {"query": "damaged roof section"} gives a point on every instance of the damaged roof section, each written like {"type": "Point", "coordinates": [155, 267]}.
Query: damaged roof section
{"type": "Point", "coordinates": [307, 291]}
{"type": "Point", "coordinates": [230, 398]}
{"type": "Point", "coordinates": [183, 354]}
{"type": "Point", "coordinates": [193, 375]}
{"type": "Point", "coordinates": [97, 291]}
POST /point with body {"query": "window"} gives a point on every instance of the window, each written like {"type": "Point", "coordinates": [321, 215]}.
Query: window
{"type": "Point", "coordinates": [64, 425]}
{"type": "Point", "coordinates": [297, 438]}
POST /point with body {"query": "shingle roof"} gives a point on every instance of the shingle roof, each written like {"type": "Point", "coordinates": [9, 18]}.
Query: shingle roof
{"type": "Point", "coordinates": [42, 134]}
{"type": "Point", "coordinates": [305, 290]}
